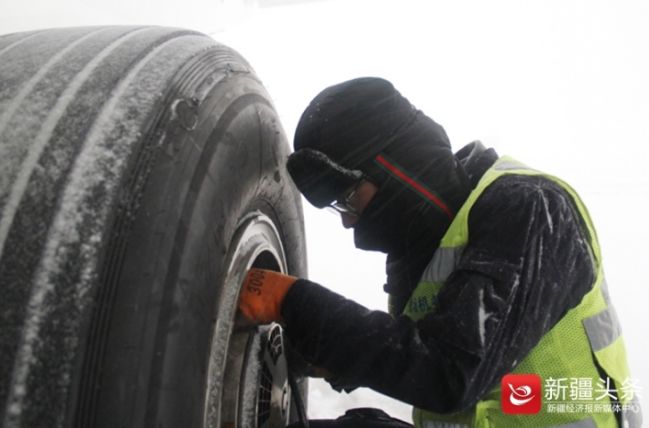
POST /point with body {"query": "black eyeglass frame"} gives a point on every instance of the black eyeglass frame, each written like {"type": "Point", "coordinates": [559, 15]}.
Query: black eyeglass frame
{"type": "Point", "coordinates": [345, 206]}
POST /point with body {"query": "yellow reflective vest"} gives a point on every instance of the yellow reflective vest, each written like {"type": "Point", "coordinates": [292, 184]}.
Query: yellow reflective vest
{"type": "Point", "coordinates": [586, 337]}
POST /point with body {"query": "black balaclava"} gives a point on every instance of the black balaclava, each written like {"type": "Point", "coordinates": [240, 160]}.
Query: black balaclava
{"type": "Point", "coordinates": [366, 128]}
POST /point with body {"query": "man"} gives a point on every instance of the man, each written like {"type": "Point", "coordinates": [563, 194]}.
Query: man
{"type": "Point", "coordinates": [492, 268]}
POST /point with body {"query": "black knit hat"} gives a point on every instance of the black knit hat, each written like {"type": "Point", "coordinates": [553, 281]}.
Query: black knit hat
{"type": "Point", "coordinates": [343, 128]}
{"type": "Point", "coordinates": [366, 128]}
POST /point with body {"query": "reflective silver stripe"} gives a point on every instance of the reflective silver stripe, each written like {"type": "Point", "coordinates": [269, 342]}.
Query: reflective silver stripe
{"type": "Point", "coordinates": [602, 329]}
{"type": "Point", "coordinates": [439, 424]}
{"type": "Point", "coordinates": [632, 417]}
{"type": "Point", "coordinates": [584, 423]}
{"type": "Point", "coordinates": [443, 263]}
{"type": "Point", "coordinates": [604, 288]}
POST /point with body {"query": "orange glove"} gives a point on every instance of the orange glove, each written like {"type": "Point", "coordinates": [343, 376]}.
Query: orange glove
{"type": "Point", "coordinates": [262, 294]}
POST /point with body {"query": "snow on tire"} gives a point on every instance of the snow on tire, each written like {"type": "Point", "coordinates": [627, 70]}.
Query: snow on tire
{"type": "Point", "coordinates": [135, 165]}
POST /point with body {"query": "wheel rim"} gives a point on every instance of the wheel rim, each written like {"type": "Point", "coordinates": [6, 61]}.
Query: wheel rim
{"type": "Point", "coordinates": [247, 383]}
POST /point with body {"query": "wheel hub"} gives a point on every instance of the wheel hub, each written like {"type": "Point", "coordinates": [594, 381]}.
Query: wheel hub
{"type": "Point", "coordinates": [247, 383]}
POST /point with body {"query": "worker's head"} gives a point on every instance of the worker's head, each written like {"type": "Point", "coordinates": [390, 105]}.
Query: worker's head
{"type": "Point", "coordinates": [363, 149]}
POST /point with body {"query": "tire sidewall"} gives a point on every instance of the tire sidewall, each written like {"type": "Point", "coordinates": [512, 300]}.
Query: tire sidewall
{"type": "Point", "coordinates": [209, 174]}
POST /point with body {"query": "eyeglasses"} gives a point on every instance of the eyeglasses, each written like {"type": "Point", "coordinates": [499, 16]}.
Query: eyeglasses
{"type": "Point", "coordinates": [345, 206]}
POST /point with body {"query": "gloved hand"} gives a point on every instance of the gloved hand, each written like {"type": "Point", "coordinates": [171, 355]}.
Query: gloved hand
{"type": "Point", "coordinates": [262, 295]}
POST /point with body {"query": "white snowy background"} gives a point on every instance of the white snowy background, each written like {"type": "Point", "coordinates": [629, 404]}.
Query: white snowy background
{"type": "Point", "coordinates": [562, 85]}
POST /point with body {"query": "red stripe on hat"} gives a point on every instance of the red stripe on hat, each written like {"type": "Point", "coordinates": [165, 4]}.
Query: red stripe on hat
{"type": "Point", "coordinates": [415, 185]}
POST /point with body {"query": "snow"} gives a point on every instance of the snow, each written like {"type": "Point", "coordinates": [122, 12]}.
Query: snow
{"type": "Point", "coordinates": [252, 371]}
{"type": "Point", "coordinates": [80, 218]}
{"type": "Point", "coordinates": [483, 316]}
{"type": "Point", "coordinates": [9, 143]}
{"type": "Point", "coordinates": [546, 208]}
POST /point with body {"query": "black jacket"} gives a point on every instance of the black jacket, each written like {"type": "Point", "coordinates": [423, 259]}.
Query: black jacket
{"type": "Point", "coordinates": [526, 264]}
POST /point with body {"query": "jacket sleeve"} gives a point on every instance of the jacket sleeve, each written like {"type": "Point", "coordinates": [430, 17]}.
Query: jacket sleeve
{"type": "Point", "coordinates": [527, 263]}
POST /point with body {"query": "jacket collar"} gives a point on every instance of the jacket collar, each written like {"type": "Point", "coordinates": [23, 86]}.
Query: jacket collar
{"type": "Point", "coordinates": [403, 272]}
{"type": "Point", "coordinates": [476, 159]}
